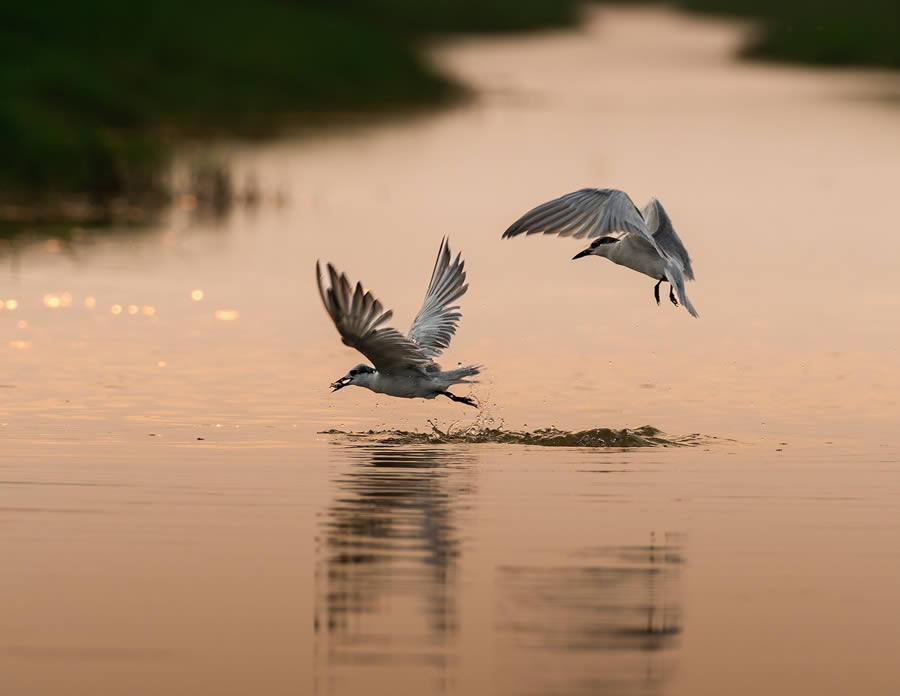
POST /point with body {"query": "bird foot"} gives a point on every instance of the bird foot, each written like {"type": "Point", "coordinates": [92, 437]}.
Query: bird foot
{"type": "Point", "coordinates": [656, 291]}
{"type": "Point", "coordinates": [461, 399]}
{"type": "Point", "coordinates": [672, 297]}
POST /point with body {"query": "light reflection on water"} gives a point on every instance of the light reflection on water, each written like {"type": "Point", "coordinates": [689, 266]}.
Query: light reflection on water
{"type": "Point", "coordinates": [603, 627]}
{"type": "Point", "coordinates": [387, 566]}
{"type": "Point", "coordinates": [390, 562]}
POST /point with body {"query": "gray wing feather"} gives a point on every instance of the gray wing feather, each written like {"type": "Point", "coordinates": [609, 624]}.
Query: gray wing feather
{"type": "Point", "coordinates": [660, 225]}
{"type": "Point", "coordinates": [673, 275]}
{"type": "Point", "coordinates": [357, 316]}
{"type": "Point", "coordinates": [586, 213]}
{"type": "Point", "coordinates": [435, 324]}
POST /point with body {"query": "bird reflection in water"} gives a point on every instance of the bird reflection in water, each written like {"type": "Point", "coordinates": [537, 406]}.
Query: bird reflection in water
{"type": "Point", "coordinates": [607, 626]}
{"type": "Point", "coordinates": [386, 571]}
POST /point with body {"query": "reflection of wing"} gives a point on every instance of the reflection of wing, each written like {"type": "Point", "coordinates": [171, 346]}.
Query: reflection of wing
{"type": "Point", "coordinates": [435, 324]}
{"type": "Point", "coordinates": [586, 213]}
{"type": "Point", "coordinates": [660, 225]}
{"type": "Point", "coordinates": [357, 316]}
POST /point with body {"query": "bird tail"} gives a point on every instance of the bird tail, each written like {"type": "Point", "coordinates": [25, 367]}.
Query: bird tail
{"type": "Point", "coordinates": [673, 275]}
{"type": "Point", "coordinates": [458, 375]}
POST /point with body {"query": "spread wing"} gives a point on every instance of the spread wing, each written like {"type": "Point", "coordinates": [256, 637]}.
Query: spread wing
{"type": "Point", "coordinates": [586, 213]}
{"type": "Point", "coordinates": [357, 316]}
{"type": "Point", "coordinates": [660, 225]}
{"type": "Point", "coordinates": [435, 324]}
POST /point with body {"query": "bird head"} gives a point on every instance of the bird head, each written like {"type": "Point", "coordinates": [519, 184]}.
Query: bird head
{"type": "Point", "coordinates": [359, 376]}
{"type": "Point", "coordinates": [597, 248]}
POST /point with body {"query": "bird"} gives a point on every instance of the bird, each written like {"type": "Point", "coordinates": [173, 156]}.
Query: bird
{"type": "Point", "coordinates": [402, 366]}
{"type": "Point", "coordinates": [642, 240]}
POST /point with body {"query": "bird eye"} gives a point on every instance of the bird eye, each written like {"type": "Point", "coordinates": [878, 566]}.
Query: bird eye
{"type": "Point", "coordinates": [353, 373]}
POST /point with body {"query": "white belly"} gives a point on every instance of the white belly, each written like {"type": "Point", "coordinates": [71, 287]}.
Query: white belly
{"type": "Point", "coordinates": [638, 258]}
{"type": "Point", "coordinates": [404, 387]}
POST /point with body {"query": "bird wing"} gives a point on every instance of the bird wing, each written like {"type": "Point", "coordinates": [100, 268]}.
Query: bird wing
{"type": "Point", "coordinates": [676, 280]}
{"type": "Point", "coordinates": [660, 225]}
{"type": "Point", "coordinates": [357, 316]}
{"type": "Point", "coordinates": [586, 213]}
{"type": "Point", "coordinates": [435, 324]}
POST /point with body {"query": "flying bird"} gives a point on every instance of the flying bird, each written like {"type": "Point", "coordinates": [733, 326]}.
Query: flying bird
{"type": "Point", "coordinates": [403, 365]}
{"type": "Point", "coordinates": [643, 240]}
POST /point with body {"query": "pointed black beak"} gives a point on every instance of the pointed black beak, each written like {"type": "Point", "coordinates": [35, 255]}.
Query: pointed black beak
{"type": "Point", "coordinates": [340, 384]}
{"type": "Point", "coordinates": [586, 252]}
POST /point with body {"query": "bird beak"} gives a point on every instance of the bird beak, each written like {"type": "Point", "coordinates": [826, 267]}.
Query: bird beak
{"type": "Point", "coordinates": [586, 252]}
{"type": "Point", "coordinates": [340, 384]}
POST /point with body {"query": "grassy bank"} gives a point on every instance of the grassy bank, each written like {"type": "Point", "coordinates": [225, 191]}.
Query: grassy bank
{"type": "Point", "coordinates": [94, 92]}
{"type": "Point", "coordinates": [817, 32]}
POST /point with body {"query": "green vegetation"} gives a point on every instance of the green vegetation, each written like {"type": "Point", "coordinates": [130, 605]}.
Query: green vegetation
{"type": "Point", "coordinates": [96, 91]}
{"type": "Point", "coordinates": [820, 32]}
{"type": "Point", "coordinates": [416, 17]}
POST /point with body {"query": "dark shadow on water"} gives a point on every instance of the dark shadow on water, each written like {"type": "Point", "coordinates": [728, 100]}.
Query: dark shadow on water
{"type": "Point", "coordinates": [603, 619]}
{"type": "Point", "coordinates": [606, 625]}
{"type": "Point", "coordinates": [201, 197]}
{"type": "Point", "coordinates": [387, 566]}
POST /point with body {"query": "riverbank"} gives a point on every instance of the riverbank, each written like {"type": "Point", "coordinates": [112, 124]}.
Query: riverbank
{"type": "Point", "coordinates": [826, 32]}
{"type": "Point", "coordinates": [97, 94]}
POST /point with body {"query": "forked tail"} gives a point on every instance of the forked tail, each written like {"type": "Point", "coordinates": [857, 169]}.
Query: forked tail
{"type": "Point", "coordinates": [673, 275]}
{"type": "Point", "coordinates": [458, 375]}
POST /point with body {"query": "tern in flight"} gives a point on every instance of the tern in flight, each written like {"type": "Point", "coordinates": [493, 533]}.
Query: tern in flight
{"type": "Point", "coordinates": [643, 240]}
{"type": "Point", "coordinates": [403, 365]}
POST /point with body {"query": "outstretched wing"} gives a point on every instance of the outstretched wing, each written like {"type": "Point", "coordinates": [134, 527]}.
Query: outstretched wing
{"type": "Point", "coordinates": [660, 225]}
{"type": "Point", "coordinates": [435, 324]}
{"type": "Point", "coordinates": [586, 213]}
{"type": "Point", "coordinates": [357, 316]}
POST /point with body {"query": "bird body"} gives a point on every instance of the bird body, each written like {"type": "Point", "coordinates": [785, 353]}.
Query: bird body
{"type": "Point", "coordinates": [632, 254]}
{"type": "Point", "coordinates": [403, 365]}
{"type": "Point", "coordinates": [642, 240]}
{"type": "Point", "coordinates": [413, 385]}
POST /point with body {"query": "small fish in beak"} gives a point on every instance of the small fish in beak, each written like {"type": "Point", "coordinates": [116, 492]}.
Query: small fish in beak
{"type": "Point", "coordinates": [339, 384]}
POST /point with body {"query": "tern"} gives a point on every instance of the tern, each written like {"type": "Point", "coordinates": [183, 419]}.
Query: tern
{"type": "Point", "coordinates": [643, 240]}
{"type": "Point", "coordinates": [403, 365]}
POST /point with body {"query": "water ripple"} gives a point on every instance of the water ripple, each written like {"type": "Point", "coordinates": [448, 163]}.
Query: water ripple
{"type": "Point", "coordinates": [645, 436]}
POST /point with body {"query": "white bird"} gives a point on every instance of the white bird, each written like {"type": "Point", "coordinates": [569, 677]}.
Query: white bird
{"type": "Point", "coordinates": [643, 240]}
{"type": "Point", "coordinates": [404, 365]}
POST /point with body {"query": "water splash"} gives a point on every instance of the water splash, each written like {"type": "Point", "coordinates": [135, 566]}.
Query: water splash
{"type": "Point", "coordinates": [481, 432]}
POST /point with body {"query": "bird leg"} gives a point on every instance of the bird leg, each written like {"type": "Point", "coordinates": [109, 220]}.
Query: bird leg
{"type": "Point", "coordinates": [461, 399]}
{"type": "Point", "coordinates": [672, 296]}
{"type": "Point", "coordinates": [656, 290]}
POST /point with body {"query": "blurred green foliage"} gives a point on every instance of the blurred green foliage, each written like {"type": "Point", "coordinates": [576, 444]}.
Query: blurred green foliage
{"type": "Point", "coordinates": [94, 92]}
{"type": "Point", "coordinates": [438, 16]}
{"type": "Point", "coordinates": [821, 32]}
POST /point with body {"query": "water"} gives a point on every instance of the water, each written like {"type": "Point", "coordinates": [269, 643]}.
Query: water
{"type": "Point", "coordinates": [174, 520]}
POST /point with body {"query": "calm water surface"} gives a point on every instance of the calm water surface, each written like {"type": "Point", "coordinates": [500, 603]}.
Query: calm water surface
{"type": "Point", "coordinates": [172, 522]}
